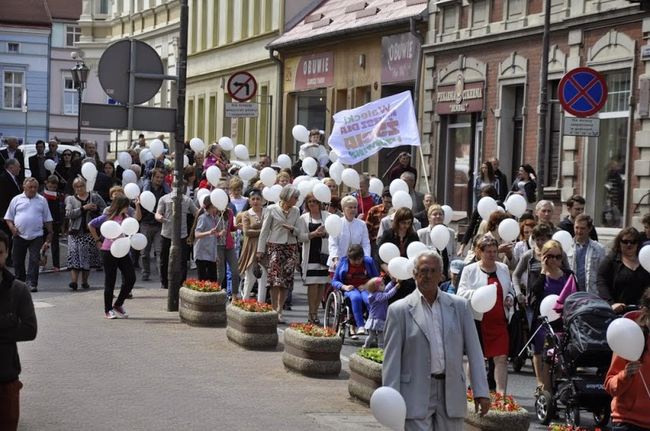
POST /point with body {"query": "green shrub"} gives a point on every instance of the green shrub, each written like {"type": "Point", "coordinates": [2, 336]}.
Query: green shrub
{"type": "Point", "coordinates": [375, 354]}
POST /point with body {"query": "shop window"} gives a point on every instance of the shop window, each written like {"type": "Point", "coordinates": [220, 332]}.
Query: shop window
{"type": "Point", "coordinates": [458, 138]}
{"type": "Point", "coordinates": [312, 109]}
{"type": "Point", "coordinates": [515, 9]}
{"type": "Point", "coordinates": [449, 18]}
{"type": "Point", "coordinates": [479, 13]}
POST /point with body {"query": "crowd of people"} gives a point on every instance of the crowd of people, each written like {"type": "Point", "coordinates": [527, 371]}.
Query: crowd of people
{"type": "Point", "coordinates": [254, 247]}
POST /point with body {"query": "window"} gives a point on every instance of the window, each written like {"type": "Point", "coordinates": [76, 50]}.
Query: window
{"type": "Point", "coordinates": [72, 35]}
{"type": "Point", "coordinates": [257, 17]}
{"type": "Point", "coordinates": [204, 24]}
{"type": "Point", "coordinates": [191, 116]}
{"type": "Point", "coordinates": [102, 7]}
{"type": "Point", "coordinates": [514, 9]}
{"type": "Point", "coordinates": [194, 26]}
{"type": "Point", "coordinates": [268, 15]}
{"type": "Point", "coordinates": [244, 20]}
{"type": "Point", "coordinates": [479, 13]}
{"type": "Point", "coordinates": [13, 47]}
{"type": "Point", "coordinates": [200, 118]}
{"type": "Point", "coordinates": [449, 19]}
{"type": "Point", "coordinates": [264, 131]}
{"type": "Point", "coordinates": [70, 101]}
{"type": "Point", "coordinates": [554, 137]}
{"type": "Point", "coordinates": [230, 21]}
{"type": "Point", "coordinates": [12, 89]}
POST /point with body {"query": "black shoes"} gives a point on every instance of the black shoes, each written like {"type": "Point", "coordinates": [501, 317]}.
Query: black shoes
{"type": "Point", "coordinates": [73, 286]}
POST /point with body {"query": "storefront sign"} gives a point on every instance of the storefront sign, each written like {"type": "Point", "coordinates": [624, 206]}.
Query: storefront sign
{"type": "Point", "coordinates": [399, 57]}
{"type": "Point", "coordinates": [460, 98]}
{"type": "Point", "coordinates": [315, 71]}
{"type": "Point", "coordinates": [385, 123]}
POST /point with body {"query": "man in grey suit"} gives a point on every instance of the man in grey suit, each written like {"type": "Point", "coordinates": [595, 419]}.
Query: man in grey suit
{"type": "Point", "coordinates": [416, 197]}
{"type": "Point", "coordinates": [426, 335]}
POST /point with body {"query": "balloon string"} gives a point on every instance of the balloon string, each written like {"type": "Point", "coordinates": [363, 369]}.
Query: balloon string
{"type": "Point", "coordinates": [645, 385]}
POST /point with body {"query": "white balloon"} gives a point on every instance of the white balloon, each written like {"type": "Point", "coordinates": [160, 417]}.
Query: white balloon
{"type": "Point", "coordinates": [322, 192]}
{"type": "Point", "coordinates": [449, 214]}
{"type": "Point", "coordinates": [197, 145]}
{"type": "Point", "coordinates": [300, 179]}
{"type": "Point", "coordinates": [266, 194]}
{"type": "Point", "coordinates": [388, 251]}
{"type": "Point", "coordinates": [484, 298]}
{"type": "Point", "coordinates": [89, 171]}
{"type": "Point", "coordinates": [131, 190]}
{"type": "Point", "coordinates": [626, 339]}
{"type": "Point", "coordinates": [130, 226]}
{"type": "Point", "coordinates": [138, 241]}
{"type": "Point", "coordinates": [275, 190]}
{"type": "Point", "coordinates": [398, 184]}
{"type": "Point", "coordinates": [336, 172]}
{"type": "Point", "coordinates": [219, 199]}
{"type": "Point", "coordinates": [156, 147]}
{"type": "Point", "coordinates": [247, 173]}
{"type": "Point", "coordinates": [124, 160]}
{"type": "Point", "coordinates": [333, 225]}
{"type": "Point", "coordinates": [110, 229]}
{"type": "Point", "coordinates": [401, 268]}
{"type": "Point", "coordinates": [565, 239]}
{"type": "Point", "coordinates": [350, 178]}
{"type": "Point", "coordinates": [440, 236]}
{"type": "Point", "coordinates": [268, 175]}
{"type": "Point", "coordinates": [415, 248]}
{"type": "Point", "coordinates": [145, 156]}
{"type": "Point", "coordinates": [90, 184]}
{"type": "Point", "coordinates": [644, 257]}
{"type": "Point", "coordinates": [516, 205]}
{"type": "Point", "coordinates": [546, 308]}
{"type": "Point", "coordinates": [508, 230]}
{"type": "Point", "coordinates": [186, 161]}
{"type": "Point", "coordinates": [120, 247]}
{"type": "Point", "coordinates": [376, 186]}
{"type": "Point", "coordinates": [200, 196]}
{"type": "Point", "coordinates": [402, 199]}
{"type": "Point", "coordinates": [226, 143]}
{"type": "Point", "coordinates": [213, 175]}
{"type": "Point", "coordinates": [333, 156]}
{"type": "Point", "coordinates": [241, 152]}
{"type": "Point", "coordinates": [310, 166]}
{"type": "Point", "coordinates": [128, 176]}
{"type": "Point", "coordinates": [388, 407]}
{"type": "Point", "coordinates": [50, 165]}
{"type": "Point", "coordinates": [300, 133]}
{"type": "Point", "coordinates": [148, 200]}
{"type": "Point", "coordinates": [284, 161]}
{"type": "Point", "coordinates": [486, 206]}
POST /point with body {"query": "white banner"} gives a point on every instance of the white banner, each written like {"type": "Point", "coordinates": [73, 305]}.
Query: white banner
{"type": "Point", "coordinates": [385, 123]}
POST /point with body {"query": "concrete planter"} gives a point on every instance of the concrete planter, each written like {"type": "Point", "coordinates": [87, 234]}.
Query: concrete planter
{"type": "Point", "coordinates": [365, 377]}
{"type": "Point", "coordinates": [202, 308]}
{"type": "Point", "coordinates": [497, 421]}
{"type": "Point", "coordinates": [253, 331]}
{"type": "Point", "coordinates": [312, 356]}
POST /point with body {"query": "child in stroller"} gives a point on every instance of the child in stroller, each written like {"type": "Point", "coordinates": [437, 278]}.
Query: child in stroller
{"type": "Point", "coordinates": [579, 358]}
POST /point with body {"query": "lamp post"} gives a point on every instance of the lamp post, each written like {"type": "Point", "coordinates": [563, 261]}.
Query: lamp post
{"type": "Point", "coordinates": [79, 78]}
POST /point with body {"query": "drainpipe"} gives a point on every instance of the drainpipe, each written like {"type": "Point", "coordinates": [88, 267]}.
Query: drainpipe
{"type": "Point", "coordinates": [416, 94]}
{"type": "Point", "coordinates": [49, 88]}
{"type": "Point", "coordinates": [280, 103]}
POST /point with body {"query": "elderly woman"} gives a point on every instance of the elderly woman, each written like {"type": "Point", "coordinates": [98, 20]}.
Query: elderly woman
{"type": "Point", "coordinates": [493, 325]}
{"type": "Point", "coordinates": [621, 278]}
{"type": "Point", "coordinates": [282, 230]}
{"type": "Point", "coordinates": [80, 209]}
{"type": "Point", "coordinates": [251, 227]}
{"type": "Point", "coordinates": [365, 198]}
{"type": "Point", "coordinates": [436, 216]}
{"type": "Point", "coordinates": [354, 231]}
{"type": "Point", "coordinates": [314, 255]}
{"type": "Point", "coordinates": [352, 272]}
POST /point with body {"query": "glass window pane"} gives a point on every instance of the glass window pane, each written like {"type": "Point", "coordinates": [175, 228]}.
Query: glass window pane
{"type": "Point", "coordinates": [610, 182]}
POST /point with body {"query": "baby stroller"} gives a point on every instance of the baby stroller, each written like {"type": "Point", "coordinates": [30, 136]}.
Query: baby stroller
{"type": "Point", "coordinates": [579, 358]}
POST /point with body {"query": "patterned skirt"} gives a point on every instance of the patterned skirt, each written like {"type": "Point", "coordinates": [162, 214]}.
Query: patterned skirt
{"type": "Point", "coordinates": [82, 252]}
{"type": "Point", "coordinates": [283, 260]}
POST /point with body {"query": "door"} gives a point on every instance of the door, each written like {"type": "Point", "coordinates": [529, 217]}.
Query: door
{"type": "Point", "coordinates": [458, 161]}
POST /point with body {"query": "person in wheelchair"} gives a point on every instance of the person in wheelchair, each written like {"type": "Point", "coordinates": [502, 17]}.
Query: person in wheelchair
{"type": "Point", "coordinates": [351, 273]}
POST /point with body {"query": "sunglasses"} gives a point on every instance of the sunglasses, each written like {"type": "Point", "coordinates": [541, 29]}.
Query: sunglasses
{"type": "Point", "coordinates": [67, 154]}
{"type": "Point", "coordinates": [629, 241]}
{"type": "Point", "coordinates": [312, 201]}
{"type": "Point", "coordinates": [554, 256]}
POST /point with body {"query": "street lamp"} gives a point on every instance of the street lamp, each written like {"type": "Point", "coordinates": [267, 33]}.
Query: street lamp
{"type": "Point", "coordinates": [79, 78]}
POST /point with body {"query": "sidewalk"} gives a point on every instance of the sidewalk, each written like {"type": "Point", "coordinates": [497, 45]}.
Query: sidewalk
{"type": "Point", "coordinates": [151, 372]}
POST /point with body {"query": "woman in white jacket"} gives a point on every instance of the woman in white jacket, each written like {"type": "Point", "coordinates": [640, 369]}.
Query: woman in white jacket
{"type": "Point", "coordinates": [354, 231]}
{"type": "Point", "coordinates": [493, 325]}
{"type": "Point", "coordinates": [314, 255]}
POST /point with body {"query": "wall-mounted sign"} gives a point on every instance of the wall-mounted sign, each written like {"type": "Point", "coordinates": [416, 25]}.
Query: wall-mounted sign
{"type": "Point", "coordinates": [460, 98]}
{"type": "Point", "coordinates": [399, 58]}
{"type": "Point", "coordinates": [241, 110]}
{"type": "Point", "coordinates": [314, 71]}
{"type": "Point", "coordinates": [574, 126]}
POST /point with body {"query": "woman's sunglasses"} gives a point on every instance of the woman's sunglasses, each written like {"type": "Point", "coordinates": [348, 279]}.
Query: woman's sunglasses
{"type": "Point", "coordinates": [629, 241]}
{"type": "Point", "coordinates": [554, 256]}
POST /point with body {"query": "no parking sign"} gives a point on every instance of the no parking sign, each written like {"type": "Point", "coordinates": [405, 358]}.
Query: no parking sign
{"type": "Point", "coordinates": [582, 92]}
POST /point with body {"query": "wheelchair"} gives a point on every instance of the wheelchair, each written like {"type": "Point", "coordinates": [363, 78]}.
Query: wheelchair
{"type": "Point", "coordinates": [338, 312]}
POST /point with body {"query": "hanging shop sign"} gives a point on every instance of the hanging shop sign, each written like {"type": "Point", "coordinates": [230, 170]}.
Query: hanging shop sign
{"type": "Point", "coordinates": [315, 71]}
{"type": "Point", "coordinates": [399, 58]}
{"type": "Point", "coordinates": [460, 98]}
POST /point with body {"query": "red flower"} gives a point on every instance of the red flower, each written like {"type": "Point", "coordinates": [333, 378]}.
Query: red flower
{"type": "Point", "coordinates": [202, 285]}
{"type": "Point", "coordinates": [313, 330]}
{"type": "Point", "coordinates": [252, 305]}
{"type": "Point", "coordinates": [498, 402]}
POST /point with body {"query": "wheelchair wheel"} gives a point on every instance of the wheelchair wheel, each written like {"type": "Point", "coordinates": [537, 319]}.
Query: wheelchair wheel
{"type": "Point", "coordinates": [334, 309]}
{"type": "Point", "coordinates": [601, 416]}
{"type": "Point", "coordinates": [572, 416]}
{"type": "Point", "coordinates": [544, 407]}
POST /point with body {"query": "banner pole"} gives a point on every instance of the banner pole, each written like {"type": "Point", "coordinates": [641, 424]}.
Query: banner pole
{"type": "Point", "coordinates": [424, 169]}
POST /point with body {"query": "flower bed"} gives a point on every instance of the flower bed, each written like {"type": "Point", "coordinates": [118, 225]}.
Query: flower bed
{"type": "Point", "coordinates": [365, 373]}
{"type": "Point", "coordinates": [202, 303]}
{"type": "Point", "coordinates": [504, 414]}
{"type": "Point", "coordinates": [252, 325]}
{"type": "Point", "coordinates": [312, 350]}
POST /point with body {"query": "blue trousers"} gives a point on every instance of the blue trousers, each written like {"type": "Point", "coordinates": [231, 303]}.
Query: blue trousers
{"type": "Point", "coordinates": [358, 298]}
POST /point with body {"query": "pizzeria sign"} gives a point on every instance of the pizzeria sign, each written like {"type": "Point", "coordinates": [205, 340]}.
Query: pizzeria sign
{"type": "Point", "coordinates": [460, 98]}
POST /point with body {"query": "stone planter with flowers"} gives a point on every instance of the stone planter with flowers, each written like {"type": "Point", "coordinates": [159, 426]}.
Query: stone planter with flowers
{"type": "Point", "coordinates": [505, 414]}
{"type": "Point", "coordinates": [365, 373]}
{"type": "Point", "coordinates": [202, 303]}
{"type": "Point", "coordinates": [312, 350]}
{"type": "Point", "coordinates": [251, 324]}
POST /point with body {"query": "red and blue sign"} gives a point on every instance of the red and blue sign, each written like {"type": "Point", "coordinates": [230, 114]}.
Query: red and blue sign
{"type": "Point", "coordinates": [582, 92]}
